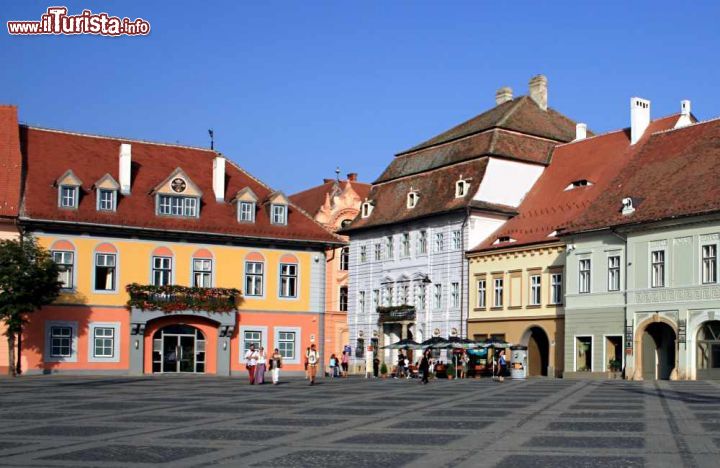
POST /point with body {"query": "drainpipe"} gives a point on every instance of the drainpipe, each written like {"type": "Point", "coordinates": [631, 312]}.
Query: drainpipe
{"type": "Point", "coordinates": [462, 272]}
{"type": "Point", "coordinates": [625, 295]}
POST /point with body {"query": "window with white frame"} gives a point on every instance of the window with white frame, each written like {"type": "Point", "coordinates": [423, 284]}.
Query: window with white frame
{"type": "Point", "coordinates": [279, 214]}
{"type": "Point", "coordinates": [251, 337]}
{"type": "Point", "coordinates": [288, 280]}
{"type": "Point", "coordinates": [363, 253]}
{"type": "Point", "coordinates": [439, 242]}
{"type": "Point", "coordinates": [361, 301]}
{"type": "Point", "coordinates": [246, 212]}
{"type": "Point", "coordinates": [498, 292]}
{"type": "Point", "coordinates": [481, 293]}
{"type": "Point", "coordinates": [405, 244]}
{"type": "Point", "coordinates": [103, 342]}
{"type": "Point", "coordinates": [583, 353]}
{"type": "Point", "coordinates": [345, 258]}
{"type": "Point", "coordinates": [584, 278]}
{"type": "Point", "coordinates": [161, 271]}
{"type": "Point", "coordinates": [437, 296]}
{"type": "Point", "coordinates": [253, 278]}
{"type": "Point", "coordinates": [366, 209]}
{"type": "Point", "coordinates": [556, 293]}
{"type": "Point", "coordinates": [461, 188]}
{"type": "Point", "coordinates": [66, 265]}
{"type": "Point", "coordinates": [68, 196]}
{"type": "Point", "coordinates": [375, 298]}
{"type": "Point", "coordinates": [378, 252]}
{"type": "Point", "coordinates": [388, 296]}
{"type": "Point", "coordinates": [657, 268]}
{"type": "Point", "coordinates": [455, 294]}
{"type": "Point", "coordinates": [535, 290]}
{"type": "Point", "coordinates": [286, 344]}
{"type": "Point", "coordinates": [202, 272]}
{"type": "Point", "coordinates": [422, 243]}
{"type": "Point", "coordinates": [105, 269]}
{"type": "Point", "coordinates": [389, 248]}
{"type": "Point", "coordinates": [709, 264]}
{"type": "Point", "coordinates": [173, 205]}
{"type": "Point", "coordinates": [456, 240]}
{"type": "Point", "coordinates": [403, 291]}
{"type": "Point", "coordinates": [61, 341]}
{"type": "Point", "coordinates": [420, 297]}
{"type": "Point", "coordinates": [412, 199]}
{"type": "Point", "coordinates": [614, 273]}
{"type": "Point", "coordinates": [343, 299]}
{"type": "Point", "coordinates": [106, 200]}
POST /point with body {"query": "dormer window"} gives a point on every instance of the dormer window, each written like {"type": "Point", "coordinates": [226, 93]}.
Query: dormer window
{"type": "Point", "coordinates": [412, 199]}
{"type": "Point", "coordinates": [366, 209]}
{"type": "Point", "coordinates": [578, 183]}
{"type": "Point", "coordinates": [278, 214]}
{"type": "Point", "coordinates": [178, 196]}
{"type": "Point", "coordinates": [504, 239]}
{"type": "Point", "coordinates": [627, 206]}
{"type": "Point", "coordinates": [106, 190]}
{"type": "Point", "coordinates": [171, 205]}
{"type": "Point", "coordinates": [68, 190]}
{"type": "Point", "coordinates": [461, 188]}
{"type": "Point", "coordinates": [246, 212]}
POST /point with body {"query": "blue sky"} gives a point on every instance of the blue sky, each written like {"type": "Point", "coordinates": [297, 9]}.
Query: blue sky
{"type": "Point", "coordinates": [295, 88]}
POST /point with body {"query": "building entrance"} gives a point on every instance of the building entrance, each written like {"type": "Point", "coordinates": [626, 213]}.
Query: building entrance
{"type": "Point", "coordinates": [708, 351]}
{"type": "Point", "coordinates": [658, 351]}
{"type": "Point", "coordinates": [179, 349]}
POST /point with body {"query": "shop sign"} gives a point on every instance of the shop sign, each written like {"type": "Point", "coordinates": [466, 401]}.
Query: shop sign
{"type": "Point", "coordinates": [628, 339]}
{"type": "Point", "coordinates": [682, 328]}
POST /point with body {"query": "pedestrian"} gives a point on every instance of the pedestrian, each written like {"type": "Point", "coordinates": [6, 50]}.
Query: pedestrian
{"type": "Point", "coordinates": [307, 370]}
{"type": "Point", "coordinates": [424, 366]}
{"type": "Point", "coordinates": [333, 365]}
{"type": "Point", "coordinates": [502, 365]}
{"type": "Point", "coordinates": [406, 367]}
{"type": "Point", "coordinates": [275, 365]}
{"type": "Point", "coordinates": [251, 357]}
{"type": "Point", "coordinates": [464, 360]}
{"type": "Point", "coordinates": [345, 362]}
{"type": "Point", "coordinates": [260, 367]}
{"type": "Point", "coordinates": [312, 361]}
{"type": "Point", "coordinates": [400, 365]}
{"type": "Point", "coordinates": [376, 367]}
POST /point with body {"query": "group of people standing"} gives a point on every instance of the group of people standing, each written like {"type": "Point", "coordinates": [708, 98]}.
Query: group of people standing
{"type": "Point", "coordinates": [339, 367]}
{"type": "Point", "coordinates": [257, 362]}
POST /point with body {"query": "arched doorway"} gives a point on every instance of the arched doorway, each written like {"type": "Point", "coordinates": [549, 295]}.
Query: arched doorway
{"type": "Point", "coordinates": [178, 348]}
{"type": "Point", "coordinates": [538, 352]}
{"type": "Point", "coordinates": [708, 351]}
{"type": "Point", "coordinates": [658, 351]}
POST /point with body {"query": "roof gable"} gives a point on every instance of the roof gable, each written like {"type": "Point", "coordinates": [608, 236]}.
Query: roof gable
{"type": "Point", "coordinates": [69, 178]}
{"type": "Point", "coordinates": [107, 182]}
{"type": "Point", "coordinates": [177, 183]}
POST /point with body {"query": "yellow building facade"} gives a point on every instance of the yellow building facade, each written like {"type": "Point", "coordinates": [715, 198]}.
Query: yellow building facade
{"type": "Point", "coordinates": [516, 295]}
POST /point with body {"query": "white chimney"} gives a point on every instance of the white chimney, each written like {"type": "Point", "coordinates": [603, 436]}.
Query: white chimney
{"type": "Point", "coordinates": [684, 119]}
{"type": "Point", "coordinates": [219, 178]}
{"type": "Point", "coordinates": [539, 91]}
{"type": "Point", "coordinates": [639, 118]}
{"type": "Point", "coordinates": [503, 95]}
{"type": "Point", "coordinates": [580, 131]}
{"type": "Point", "coordinates": [125, 167]}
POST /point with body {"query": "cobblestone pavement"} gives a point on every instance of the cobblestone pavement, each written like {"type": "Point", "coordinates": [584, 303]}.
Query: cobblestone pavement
{"type": "Point", "coordinates": [201, 421]}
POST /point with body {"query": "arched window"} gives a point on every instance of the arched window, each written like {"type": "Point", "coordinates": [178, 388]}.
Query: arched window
{"type": "Point", "coordinates": [63, 253]}
{"type": "Point", "coordinates": [202, 269]}
{"type": "Point", "coordinates": [162, 267]}
{"type": "Point", "coordinates": [105, 268]}
{"type": "Point", "coordinates": [288, 276]}
{"type": "Point", "coordinates": [254, 274]}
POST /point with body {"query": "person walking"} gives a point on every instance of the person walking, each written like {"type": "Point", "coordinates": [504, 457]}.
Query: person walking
{"type": "Point", "coordinates": [502, 366]}
{"type": "Point", "coordinates": [345, 362]}
{"type": "Point", "coordinates": [333, 365]}
{"type": "Point", "coordinates": [312, 361]}
{"type": "Point", "coordinates": [260, 367]}
{"type": "Point", "coordinates": [376, 367]}
{"type": "Point", "coordinates": [424, 366]}
{"type": "Point", "coordinates": [400, 365]}
{"type": "Point", "coordinates": [251, 357]}
{"type": "Point", "coordinates": [275, 365]}
{"type": "Point", "coordinates": [307, 370]}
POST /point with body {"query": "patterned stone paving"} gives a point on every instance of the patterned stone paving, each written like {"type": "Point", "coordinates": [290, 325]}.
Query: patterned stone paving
{"type": "Point", "coordinates": [207, 421]}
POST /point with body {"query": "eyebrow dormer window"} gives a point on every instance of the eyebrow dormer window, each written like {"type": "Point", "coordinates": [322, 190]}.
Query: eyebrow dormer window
{"type": "Point", "coordinates": [279, 214]}
{"type": "Point", "coordinates": [68, 196]}
{"type": "Point", "coordinates": [461, 188]}
{"type": "Point", "coordinates": [504, 239]}
{"type": "Point", "coordinates": [170, 205]}
{"type": "Point", "coordinates": [578, 183]}
{"type": "Point", "coordinates": [412, 199]}
{"type": "Point", "coordinates": [246, 212]}
{"type": "Point", "coordinates": [106, 200]}
{"type": "Point", "coordinates": [366, 209]}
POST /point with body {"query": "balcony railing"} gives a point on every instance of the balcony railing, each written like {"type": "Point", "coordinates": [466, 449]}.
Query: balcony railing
{"type": "Point", "coordinates": [177, 298]}
{"type": "Point", "coordinates": [396, 313]}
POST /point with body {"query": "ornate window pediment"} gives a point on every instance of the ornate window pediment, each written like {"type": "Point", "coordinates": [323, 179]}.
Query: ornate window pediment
{"type": "Point", "coordinates": [68, 190]}
{"type": "Point", "coordinates": [177, 196]}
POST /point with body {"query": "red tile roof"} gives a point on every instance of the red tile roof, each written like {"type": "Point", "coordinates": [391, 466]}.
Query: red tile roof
{"type": "Point", "coordinates": [549, 207]}
{"type": "Point", "coordinates": [312, 199]}
{"type": "Point", "coordinates": [10, 162]}
{"type": "Point", "coordinates": [51, 153]}
{"type": "Point", "coordinates": [675, 174]}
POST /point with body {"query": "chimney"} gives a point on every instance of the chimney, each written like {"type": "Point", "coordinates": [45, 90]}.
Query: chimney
{"type": "Point", "coordinates": [639, 118]}
{"type": "Point", "coordinates": [538, 90]}
{"type": "Point", "coordinates": [684, 120]}
{"type": "Point", "coordinates": [219, 178]}
{"type": "Point", "coordinates": [503, 95]}
{"type": "Point", "coordinates": [125, 167]}
{"type": "Point", "coordinates": [580, 131]}
{"type": "Point", "coordinates": [352, 177]}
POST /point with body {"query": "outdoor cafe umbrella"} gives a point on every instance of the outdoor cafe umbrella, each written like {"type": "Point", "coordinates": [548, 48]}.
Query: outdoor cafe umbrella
{"type": "Point", "coordinates": [435, 342]}
{"type": "Point", "coordinates": [404, 344]}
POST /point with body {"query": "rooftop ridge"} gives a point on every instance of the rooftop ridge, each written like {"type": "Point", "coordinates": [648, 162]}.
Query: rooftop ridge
{"type": "Point", "coordinates": [694, 124]}
{"type": "Point", "coordinates": [110, 137]}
